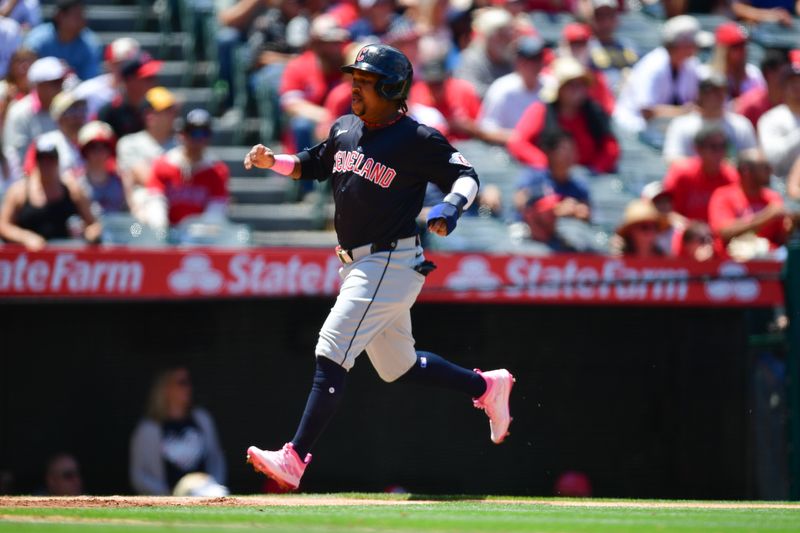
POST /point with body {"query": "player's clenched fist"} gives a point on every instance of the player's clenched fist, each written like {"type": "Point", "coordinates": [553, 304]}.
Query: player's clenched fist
{"type": "Point", "coordinates": [259, 156]}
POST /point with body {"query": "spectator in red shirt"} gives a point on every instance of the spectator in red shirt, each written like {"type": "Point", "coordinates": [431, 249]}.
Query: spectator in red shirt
{"type": "Point", "coordinates": [186, 180]}
{"type": "Point", "coordinates": [309, 77]}
{"type": "Point", "coordinates": [758, 100]}
{"type": "Point", "coordinates": [569, 108]}
{"type": "Point", "coordinates": [454, 98]}
{"type": "Point", "coordinates": [750, 206]}
{"type": "Point", "coordinates": [691, 181]}
{"type": "Point", "coordinates": [575, 43]}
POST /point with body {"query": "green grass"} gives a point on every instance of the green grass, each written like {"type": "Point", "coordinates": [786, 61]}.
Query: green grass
{"type": "Point", "coordinates": [446, 515]}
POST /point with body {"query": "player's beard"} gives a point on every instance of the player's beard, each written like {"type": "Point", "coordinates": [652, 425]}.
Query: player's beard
{"type": "Point", "coordinates": [358, 107]}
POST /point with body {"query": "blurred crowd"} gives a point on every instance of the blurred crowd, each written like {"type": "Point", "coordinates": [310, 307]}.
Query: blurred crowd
{"type": "Point", "coordinates": [87, 131]}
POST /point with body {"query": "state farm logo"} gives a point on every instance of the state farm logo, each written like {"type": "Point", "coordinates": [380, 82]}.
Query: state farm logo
{"type": "Point", "coordinates": [733, 283]}
{"type": "Point", "coordinates": [196, 274]}
{"type": "Point", "coordinates": [474, 273]}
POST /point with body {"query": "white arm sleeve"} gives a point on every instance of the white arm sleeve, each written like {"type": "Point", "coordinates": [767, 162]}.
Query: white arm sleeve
{"type": "Point", "coordinates": [155, 211]}
{"type": "Point", "coordinates": [466, 187]}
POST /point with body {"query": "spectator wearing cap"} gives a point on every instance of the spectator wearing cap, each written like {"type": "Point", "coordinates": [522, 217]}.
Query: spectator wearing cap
{"type": "Point", "coordinates": [102, 89]}
{"type": "Point", "coordinates": [10, 39]}
{"type": "Point", "coordinates": [137, 151]}
{"type": "Point", "coordinates": [779, 128]}
{"type": "Point", "coordinates": [566, 106]}
{"type": "Point", "coordinates": [769, 11]}
{"type": "Point", "coordinates": [760, 99]}
{"type": "Point", "coordinates": [377, 19]}
{"type": "Point", "coordinates": [750, 207]}
{"type": "Point", "coordinates": [69, 114]}
{"type": "Point", "coordinates": [454, 98]}
{"type": "Point", "coordinates": [575, 43]}
{"type": "Point", "coordinates": [639, 230]}
{"type": "Point", "coordinates": [187, 180]}
{"type": "Point", "coordinates": [123, 113]}
{"type": "Point", "coordinates": [100, 181]}
{"type": "Point", "coordinates": [35, 210]}
{"type": "Point", "coordinates": [679, 141]}
{"type": "Point", "coordinates": [557, 178]}
{"type": "Point", "coordinates": [68, 38]}
{"type": "Point", "coordinates": [27, 13]}
{"type": "Point", "coordinates": [309, 77]}
{"type": "Point", "coordinates": [30, 117]}
{"type": "Point", "coordinates": [509, 94]}
{"type": "Point", "coordinates": [490, 55]}
{"type": "Point", "coordinates": [663, 84]}
{"type": "Point", "coordinates": [691, 181]}
{"type": "Point", "coordinates": [609, 53]}
{"type": "Point", "coordinates": [729, 59]}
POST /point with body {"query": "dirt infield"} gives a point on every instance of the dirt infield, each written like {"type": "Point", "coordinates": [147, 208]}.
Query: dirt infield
{"type": "Point", "coordinates": [323, 499]}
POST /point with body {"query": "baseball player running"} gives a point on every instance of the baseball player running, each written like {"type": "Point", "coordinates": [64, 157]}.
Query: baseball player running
{"type": "Point", "coordinates": [379, 161]}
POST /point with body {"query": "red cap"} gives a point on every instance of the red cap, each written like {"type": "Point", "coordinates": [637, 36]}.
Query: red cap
{"type": "Point", "coordinates": [794, 57]}
{"type": "Point", "coordinates": [575, 31]}
{"type": "Point", "coordinates": [546, 203]}
{"type": "Point", "coordinates": [731, 34]}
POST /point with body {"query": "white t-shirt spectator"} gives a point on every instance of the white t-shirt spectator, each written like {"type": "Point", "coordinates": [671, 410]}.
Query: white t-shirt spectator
{"type": "Point", "coordinates": [140, 147]}
{"type": "Point", "coordinates": [651, 83]}
{"type": "Point", "coordinates": [26, 12]}
{"type": "Point", "coordinates": [25, 119]}
{"type": "Point", "coordinates": [505, 101]}
{"type": "Point", "coordinates": [679, 141]}
{"type": "Point", "coordinates": [779, 135]}
{"type": "Point", "coordinates": [10, 39]}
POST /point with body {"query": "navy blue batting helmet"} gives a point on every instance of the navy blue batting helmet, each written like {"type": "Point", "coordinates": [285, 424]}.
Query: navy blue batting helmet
{"type": "Point", "coordinates": [391, 64]}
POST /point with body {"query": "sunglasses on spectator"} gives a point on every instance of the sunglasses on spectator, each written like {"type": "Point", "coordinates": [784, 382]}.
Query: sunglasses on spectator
{"type": "Point", "coordinates": [716, 146]}
{"type": "Point", "coordinates": [646, 226]}
{"type": "Point", "coordinates": [47, 156]}
{"type": "Point", "coordinates": [198, 133]}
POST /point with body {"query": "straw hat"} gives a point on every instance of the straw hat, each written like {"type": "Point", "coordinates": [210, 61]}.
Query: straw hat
{"type": "Point", "coordinates": [637, 212]}
{"type": "Point", "coordinates": [564, 69]}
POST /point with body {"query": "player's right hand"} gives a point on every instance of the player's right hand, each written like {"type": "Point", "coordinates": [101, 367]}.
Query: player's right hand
{"type": "Point", "coordinates": [259, 156]}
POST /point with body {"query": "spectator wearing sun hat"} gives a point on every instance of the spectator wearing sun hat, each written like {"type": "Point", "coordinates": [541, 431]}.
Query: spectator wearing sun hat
{"type": "Point", "coordinates": [575, 39]}
{"type": "Point", "coordinates": [69, 113]}
{"type": "Point", "coordinates": [729, 59]}
{"type": "Point", "coordinates": [187, 180]}
{"type": "Point", "coordinates": [30, 116]}
{"type": "Point", "coordinates": [663, 84]}
{"type": "Point", "coordinates": [100, 180]}
{"type": "Point", "coordinates": [102, 89]}
{"type": "Point", "coordinates": [566, 106]}
{"type": "Point", "coordinates": [639, 230]}
{"type": "Point", "coordinates": [779, 128]}
{"type": "Point", "coordinates": [123, 113]}
{"type": "Point", "coordinates": [679, 141]}
{"type": "Point", "coordinates": [68, 38]}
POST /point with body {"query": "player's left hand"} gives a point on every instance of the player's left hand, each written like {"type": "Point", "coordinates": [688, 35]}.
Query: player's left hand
{"type": "Point", "coordinates": [442, 219]}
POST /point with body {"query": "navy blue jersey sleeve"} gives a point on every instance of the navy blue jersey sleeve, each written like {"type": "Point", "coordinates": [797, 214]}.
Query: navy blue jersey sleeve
{"type": "Point", "coordinates": [441, 163]}
{"type": "Point", "coordinates": [316, 163]}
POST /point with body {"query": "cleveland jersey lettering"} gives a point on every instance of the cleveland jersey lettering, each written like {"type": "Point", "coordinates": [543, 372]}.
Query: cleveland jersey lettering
{"type": "Point", "coordinates": [368, 169]}
{"type": "Point", "coordinates": [377, 188]}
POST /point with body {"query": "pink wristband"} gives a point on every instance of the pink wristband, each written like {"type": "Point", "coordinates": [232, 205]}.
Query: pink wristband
{"type": "Point", "coordinates": [284, 164]}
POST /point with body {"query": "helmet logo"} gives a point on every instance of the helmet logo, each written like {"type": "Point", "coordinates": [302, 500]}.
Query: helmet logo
{"type": "Point", "coordinates": [361, 54]}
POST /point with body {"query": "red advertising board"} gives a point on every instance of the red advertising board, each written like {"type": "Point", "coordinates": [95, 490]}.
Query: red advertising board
{"type": "Point", "coordinates": [123, 273]}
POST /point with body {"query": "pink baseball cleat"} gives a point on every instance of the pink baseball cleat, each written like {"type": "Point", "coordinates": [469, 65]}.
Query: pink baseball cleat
{"type": "Point", "coordinates": [495, 401]}
{"type": "Point", "coordinates": [284, 465]}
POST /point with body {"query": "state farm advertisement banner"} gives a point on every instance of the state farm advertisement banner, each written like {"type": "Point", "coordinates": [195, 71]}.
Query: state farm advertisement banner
{"type": "Point", "coordinates": [121, 273]}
